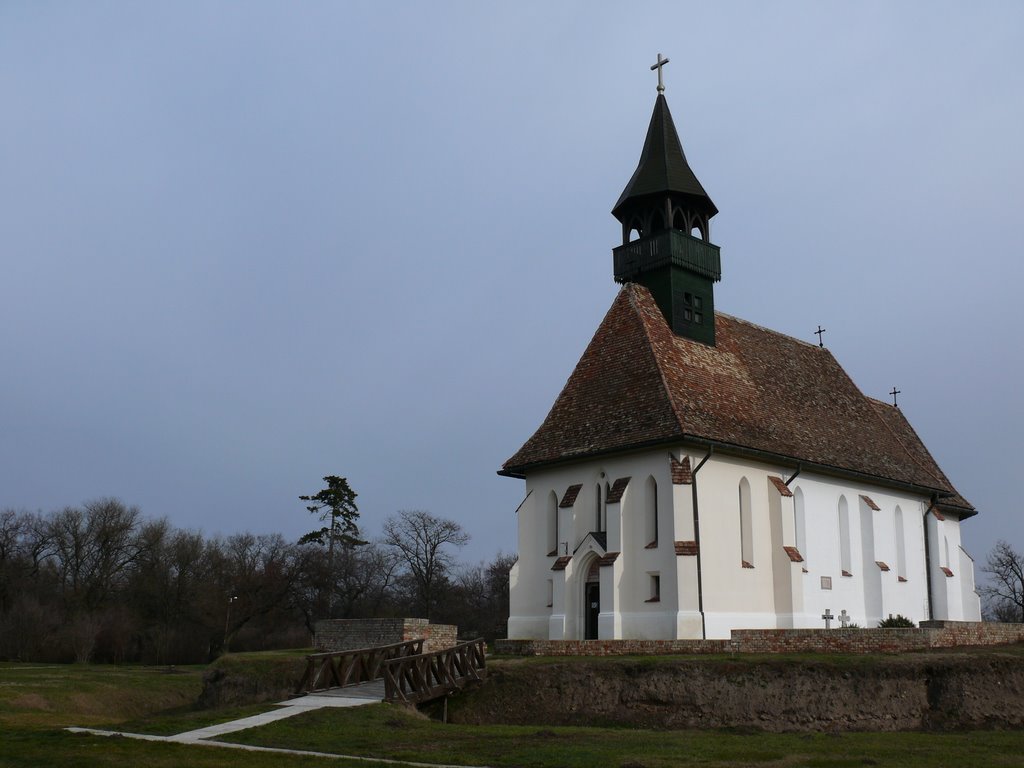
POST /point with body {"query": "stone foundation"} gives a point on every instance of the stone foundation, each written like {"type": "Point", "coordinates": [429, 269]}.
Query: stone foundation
{"type": "Point", "coordinates": [931, 634]}
{"type": "Point", "coordinates": [352, 634]}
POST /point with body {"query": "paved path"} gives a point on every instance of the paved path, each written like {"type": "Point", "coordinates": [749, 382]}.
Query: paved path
{"type": "Point", "coordinates": [355, 696]}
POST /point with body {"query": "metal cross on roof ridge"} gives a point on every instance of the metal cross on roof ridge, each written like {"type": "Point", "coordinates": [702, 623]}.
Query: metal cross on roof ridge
{"type": "Point", "coordinates": [661, 63]}
{"type": "Point", "coordinates": [819, 332]}
{"type": "Point", "coordinates": [894, 393]}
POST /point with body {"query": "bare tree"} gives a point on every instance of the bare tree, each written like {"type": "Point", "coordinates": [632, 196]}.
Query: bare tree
{"type": "Point", "coordinates": [423, 544]}
{"type": "Point", "coordinates": [1004, 593]}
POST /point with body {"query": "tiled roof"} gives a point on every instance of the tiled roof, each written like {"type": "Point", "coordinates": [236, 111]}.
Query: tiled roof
{"type": "Point", "coordinates": [681, 472]}
{"type": "Point", "coordinates": [618, 488]}
{"type": "Point", "coordinates": [638, 384]}
{"type": "Point", "coordinates": [609, 558]}
{"type": "Point", "coordinates": [570, 495]}
{"type": "Point", "coordinates": [780, 486]}
{"type": "Point", "coordinates": [794, 554]}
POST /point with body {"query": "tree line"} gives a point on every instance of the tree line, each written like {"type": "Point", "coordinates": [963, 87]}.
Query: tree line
{"type": "Point", "coordinates": [101, 582]}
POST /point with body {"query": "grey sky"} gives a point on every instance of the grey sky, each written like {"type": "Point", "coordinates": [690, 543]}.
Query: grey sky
{"type": "Point", "coordinates": [245, 245]}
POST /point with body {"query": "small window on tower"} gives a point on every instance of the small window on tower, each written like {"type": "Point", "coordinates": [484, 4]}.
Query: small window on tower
{"type": "Point", "coordinates": [698, 303]}
{"type": "Point", "coordinates": [690, 302]}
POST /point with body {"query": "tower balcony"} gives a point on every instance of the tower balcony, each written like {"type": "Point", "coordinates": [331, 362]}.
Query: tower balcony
{"type": "Point", "coordinates": [669, 247]}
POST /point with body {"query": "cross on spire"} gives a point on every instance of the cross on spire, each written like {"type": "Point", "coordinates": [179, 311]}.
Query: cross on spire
{"type": "Point", "coordinates": [661, 63]}
{"type": "Point", "coordinates": [819, 332]}
{"type": "Point", "coordinates": [894, 393]}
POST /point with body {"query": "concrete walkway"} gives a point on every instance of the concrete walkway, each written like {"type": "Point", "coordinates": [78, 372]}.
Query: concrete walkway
{"type": "Point", "coordinates": [355, 696]}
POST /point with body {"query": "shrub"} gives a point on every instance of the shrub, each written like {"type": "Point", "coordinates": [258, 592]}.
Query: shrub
{"type": "Point", "coordinates": [899, 621]}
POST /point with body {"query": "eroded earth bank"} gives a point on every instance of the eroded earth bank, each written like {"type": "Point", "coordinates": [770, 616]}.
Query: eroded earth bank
{"type": "Point", "coordinates": [949, 690]}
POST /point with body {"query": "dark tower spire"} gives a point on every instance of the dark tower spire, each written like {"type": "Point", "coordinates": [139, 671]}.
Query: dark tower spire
{"type": "Point", "coordinates": [667, 213]}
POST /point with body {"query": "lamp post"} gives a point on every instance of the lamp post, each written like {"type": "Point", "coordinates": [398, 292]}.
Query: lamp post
{"type": "Point", "coordinates": [227, 621]}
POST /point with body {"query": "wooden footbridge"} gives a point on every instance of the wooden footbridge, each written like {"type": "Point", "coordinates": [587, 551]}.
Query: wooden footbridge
{"type": "Point", "coordinates": [410, 676]}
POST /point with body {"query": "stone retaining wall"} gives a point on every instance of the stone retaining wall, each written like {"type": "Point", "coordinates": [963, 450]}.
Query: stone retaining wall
{"type": "Point", "coordinates": [351, 634]}
{"type": "Point", "coordinates": [931, 634]}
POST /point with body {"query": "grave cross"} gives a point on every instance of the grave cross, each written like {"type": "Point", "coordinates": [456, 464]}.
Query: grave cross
{"type": "Point", "coordinates": [819, 332]}
{"type": "Point", "coordinates": [827, 616]}
{"type": "Point", "coordinates": [661, 63]}
{"type": "Point", "coordinates": [844, 618]}
{"type": "Point", "coordinates": [894, 393]}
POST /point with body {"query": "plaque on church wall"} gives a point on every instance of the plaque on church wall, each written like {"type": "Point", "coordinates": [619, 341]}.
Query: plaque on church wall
{"type": "Point", "coordinates": [826, 582]}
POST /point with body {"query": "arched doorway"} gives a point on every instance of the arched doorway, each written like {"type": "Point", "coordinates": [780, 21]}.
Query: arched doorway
{"type": "Point", "coordinates": [591, 600]}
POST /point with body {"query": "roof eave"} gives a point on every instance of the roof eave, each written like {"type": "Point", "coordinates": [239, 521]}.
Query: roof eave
{"type": "Point", "coordinates": [520, 471]}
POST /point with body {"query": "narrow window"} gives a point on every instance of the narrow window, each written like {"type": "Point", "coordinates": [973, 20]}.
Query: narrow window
{"type": "Point", "coordinates": [844, 536]}
{"type": "Point", "coordinates": [800, 523]}
{"type": "Point", "coordinates": [552, 524]}
{"type": "Point", "coordinates": [651, 512]}
{"type": "Point", "coordinates": [746, 526]}
{"type": "Point", "coordinates": [901, 547]}
{"type": "Point", "coordinates": [551, 593]}
{"type": "Point", "coordinates": [600, 494]}
{"type": "Point", "coordinates": [655, 588]}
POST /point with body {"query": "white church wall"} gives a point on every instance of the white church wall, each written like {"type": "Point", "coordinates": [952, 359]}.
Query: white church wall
{"type": "Point", "coordinates": [528, 611]}
{"type": "Point", "coordinates": [734, 596]}
{"type": "Point", "coordinates": [775, 592]}
{"type": "Point", "coordinates": [968, 593]}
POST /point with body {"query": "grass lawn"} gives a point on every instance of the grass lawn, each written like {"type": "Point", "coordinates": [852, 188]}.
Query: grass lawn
{"type": "Point", "coordinates": [37, 701]}
{"type": "Point", "coordinates": [383, 730]}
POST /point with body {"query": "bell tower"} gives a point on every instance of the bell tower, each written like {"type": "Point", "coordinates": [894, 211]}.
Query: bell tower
{"type": "Point", "coordinates": [666, 239]}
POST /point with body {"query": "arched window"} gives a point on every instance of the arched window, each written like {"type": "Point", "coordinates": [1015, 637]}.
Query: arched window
{"type": "Point", "coordinates": [901, 547]}
{"type": "Point", "coordinates": [945, 551]}
{"type": "Point", "coordinates": [651, 511]}
{"type": "Point", "coordinates": [800, 523]}
{"type": "Point", "coordinates": [844, 536]}
{"type": "Point", "coordinates": [552, 524]}
{"type": "Point", "coordinates": [746, 526]}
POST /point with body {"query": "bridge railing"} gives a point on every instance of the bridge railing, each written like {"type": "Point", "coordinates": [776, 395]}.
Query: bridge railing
{"type": "Point", "coordinates": [412, 679]}
{"type": "Point", "coordinates": [334, 669]}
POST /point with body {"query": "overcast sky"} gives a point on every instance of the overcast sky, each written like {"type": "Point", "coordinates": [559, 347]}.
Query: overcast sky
{"type": "Point", "coordinates": [249, 244]}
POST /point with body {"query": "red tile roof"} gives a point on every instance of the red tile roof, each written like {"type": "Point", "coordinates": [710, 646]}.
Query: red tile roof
{"type": "Point", "coordinates": [638, 384]}
{"type": "Point", "coordinates": [870, 504]}
{"type": "Point", "coordinates": [615, 492]}
{"type": "Point", "coordinates": [609, 558]}
{"type": "Point", "coordinates": [794, 554]}
{"type": "Point", "coordinates": [682, 474]}
{"type": "Point", "coordinates": [570, 495]}
{"type": "Point", "coordinates": [780, 486]}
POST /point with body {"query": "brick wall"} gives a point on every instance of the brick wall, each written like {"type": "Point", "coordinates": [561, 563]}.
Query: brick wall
{"type": "Point", "coordinates": [351, 634]}
{"type": "Point", "coordinates": [931, 634]}
{"type": "Point", "coordinates": [609, 647]}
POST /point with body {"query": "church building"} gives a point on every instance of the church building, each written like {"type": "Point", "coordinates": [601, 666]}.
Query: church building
{"type": "Point", "coordinates": [699, 473]}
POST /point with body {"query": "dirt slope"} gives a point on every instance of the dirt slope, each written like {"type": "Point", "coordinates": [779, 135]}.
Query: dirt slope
{"type": "Point", "coordinates": [978, 689]}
